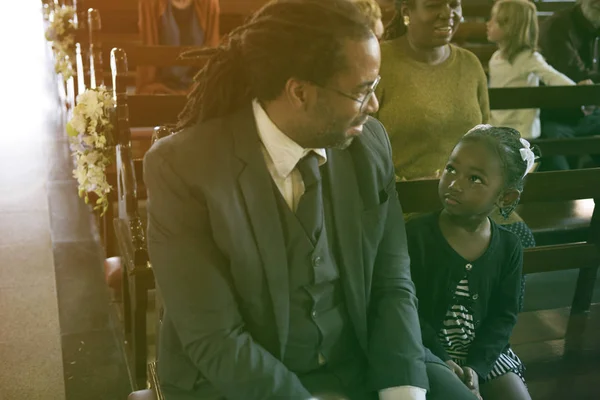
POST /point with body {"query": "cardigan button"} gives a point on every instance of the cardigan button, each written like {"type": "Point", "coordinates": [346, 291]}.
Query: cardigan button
{"type": "Point", "coordinates": [468, 267]}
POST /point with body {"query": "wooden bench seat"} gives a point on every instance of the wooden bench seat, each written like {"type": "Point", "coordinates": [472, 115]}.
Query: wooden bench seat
{"type": "Point", "coordinates": [558, 222]}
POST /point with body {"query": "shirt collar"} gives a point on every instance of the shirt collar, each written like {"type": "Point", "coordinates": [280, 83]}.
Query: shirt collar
{"type": "Point", "coordinates": [284, 152]}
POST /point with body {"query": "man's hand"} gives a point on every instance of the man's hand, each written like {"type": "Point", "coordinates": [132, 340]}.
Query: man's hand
{"type": "Point", "coordinates": [472, 381]}
{"type": "Point", "coordinates": [456, 369]}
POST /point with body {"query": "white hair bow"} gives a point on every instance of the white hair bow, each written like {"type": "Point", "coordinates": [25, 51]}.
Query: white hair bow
{"type": "Point", "coordinates": [527, 155]}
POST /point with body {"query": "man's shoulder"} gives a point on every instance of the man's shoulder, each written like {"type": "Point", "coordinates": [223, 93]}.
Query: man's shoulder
{"type": "Point", "coordinates": [375, 134]}
{"type": "Point", "coordinates": [192, 146]}
{"type": "Point", "coordinates": [375, 139]}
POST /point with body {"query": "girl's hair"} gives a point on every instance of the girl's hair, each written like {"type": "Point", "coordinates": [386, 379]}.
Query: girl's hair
{"type": "Point", "coordinates": [371, 9]}
{"type": "Point", "coordinates": [506, 144]}
{"type": "Point", "coordinates": [518, 20]}
{"type": "Point", "coordinates": [396, 28]}
{"type": "Point", "coordinates": [285, 39]}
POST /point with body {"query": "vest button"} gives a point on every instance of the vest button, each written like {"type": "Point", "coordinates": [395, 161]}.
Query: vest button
{"type": "Point", "coordinates": [314, 314]}
{"type": "Point", "coordinates": [475, 296]}
{"type": "Point", "coordinates": [468, 267]}
{"type": "Point", "coordinates": [316, 261]}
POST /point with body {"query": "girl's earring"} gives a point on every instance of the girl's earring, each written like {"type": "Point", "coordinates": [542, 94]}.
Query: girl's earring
{"type": "Point", "coordinates": [506, 211]}
{"type": "Point", "coordinates": [406, 19]}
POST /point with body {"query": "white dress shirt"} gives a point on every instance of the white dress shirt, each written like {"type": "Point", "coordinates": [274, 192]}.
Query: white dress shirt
{"type": "Point", "coordinates": [527, 69]}
{"type": "Point", "coordinates": [281, 156]}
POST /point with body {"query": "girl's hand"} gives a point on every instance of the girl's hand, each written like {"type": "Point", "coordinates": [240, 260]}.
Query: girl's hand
{"type": "Point", "coordinates": [456, 369]}
{"type": "Point", "coordinates": [472, 381]}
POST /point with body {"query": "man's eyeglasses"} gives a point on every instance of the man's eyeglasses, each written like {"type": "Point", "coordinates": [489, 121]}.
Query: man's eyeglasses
{"type": "Point", "coordinates": [366, 98]}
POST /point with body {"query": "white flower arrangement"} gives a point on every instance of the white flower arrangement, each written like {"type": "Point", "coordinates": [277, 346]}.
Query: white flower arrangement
{"type": "Point", "coordinates": [90, 139]}
{"type": "Point", "coordinates": [61, 32]}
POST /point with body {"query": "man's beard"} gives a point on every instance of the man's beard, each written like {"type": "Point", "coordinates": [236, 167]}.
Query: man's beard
{"type": "Point", "coordinates": [590, 13]}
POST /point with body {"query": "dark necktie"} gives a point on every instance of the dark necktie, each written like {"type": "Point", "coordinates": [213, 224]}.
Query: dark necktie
{"type": "Point", "coordinates": [310, 206]}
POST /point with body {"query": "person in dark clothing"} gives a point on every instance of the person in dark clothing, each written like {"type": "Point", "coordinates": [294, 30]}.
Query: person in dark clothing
{"type": "Point", "coordinates": [193, 23]}
{"type": "Point", "coordinates": [467, 269]}
{"type": "Point", "coordinates": [569, 40]}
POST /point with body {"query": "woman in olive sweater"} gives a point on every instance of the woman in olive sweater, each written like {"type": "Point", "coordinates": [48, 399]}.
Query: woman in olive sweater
{"type": "Point", "coordinates": [431, 92]}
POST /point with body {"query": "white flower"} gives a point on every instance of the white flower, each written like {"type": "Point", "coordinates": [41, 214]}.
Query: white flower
{"type": "Point", "coordinates": [90, 144]}
{"type": "Point", "coordinates": [78, 122]}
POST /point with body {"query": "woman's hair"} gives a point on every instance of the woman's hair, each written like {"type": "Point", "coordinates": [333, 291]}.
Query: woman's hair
{"type": "Point", "coordinates": [396, 28]}
{"type": "Point", "coordinates": [518, 21]}
{"type": "Point", "coordinates": [371, 9]}
{"type": "Point", "coordinates": [285, 39]}
{"type": "Point", "coordinates": [506, 144]}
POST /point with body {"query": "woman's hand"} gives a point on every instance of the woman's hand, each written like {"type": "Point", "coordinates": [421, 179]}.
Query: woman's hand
{"type": "Point", "coordinates": [472, 381]}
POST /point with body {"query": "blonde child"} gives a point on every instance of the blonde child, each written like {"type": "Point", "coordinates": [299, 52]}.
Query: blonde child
{"type": "Point", "coordinates": [514, 28]}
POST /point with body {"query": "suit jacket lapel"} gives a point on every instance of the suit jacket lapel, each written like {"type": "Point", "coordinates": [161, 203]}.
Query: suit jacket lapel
{"type": "Point", "coordinates": [257, 188]}
{"type": "Point", "coordinates": [347, 211]}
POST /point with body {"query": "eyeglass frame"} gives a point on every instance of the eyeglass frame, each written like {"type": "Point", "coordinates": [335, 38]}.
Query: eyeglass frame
{"type": "Point", "coordinates": [363, 102]}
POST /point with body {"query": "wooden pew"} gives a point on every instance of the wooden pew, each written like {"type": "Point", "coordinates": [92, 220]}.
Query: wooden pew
{"type": "Point", "coordinates": [138, 279]}
{"type": "Point", "coordinates": [116, 21]}
{"type": "Point", "coordinates": [151, 115]}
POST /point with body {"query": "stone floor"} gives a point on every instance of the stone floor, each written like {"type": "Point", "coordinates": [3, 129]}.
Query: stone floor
{"type": "Point", "coordinates": [57, 336]}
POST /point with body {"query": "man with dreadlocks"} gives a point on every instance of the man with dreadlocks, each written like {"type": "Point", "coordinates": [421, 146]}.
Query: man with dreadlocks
{"type": "Point", "coordinates": [275, 232]}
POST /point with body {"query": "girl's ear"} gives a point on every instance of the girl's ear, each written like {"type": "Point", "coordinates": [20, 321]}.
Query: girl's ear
{"type": "Point", "coordinates": [508, 198]}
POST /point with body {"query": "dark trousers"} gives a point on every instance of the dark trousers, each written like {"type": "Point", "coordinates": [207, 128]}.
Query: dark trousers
{"type": "Point", "coordinates": [444, 385]}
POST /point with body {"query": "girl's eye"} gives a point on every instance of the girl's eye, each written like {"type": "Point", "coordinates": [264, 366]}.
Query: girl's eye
{"type": "Point", "coordinates": [476, 179]}
{"type": "Point", "coordinates": [450, 169]}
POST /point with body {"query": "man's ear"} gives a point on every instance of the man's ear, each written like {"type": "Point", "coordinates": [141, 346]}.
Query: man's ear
{"type": "Point", "coordinates": [299, 93]}
{"type": "Point", "coordinates": [508, 198]}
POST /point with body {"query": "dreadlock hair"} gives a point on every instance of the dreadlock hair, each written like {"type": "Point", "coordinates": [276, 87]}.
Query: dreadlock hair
{"type": "Point", "coordinates": [396, 28]}
{"type": "Point", "coordinates": [285, 39]}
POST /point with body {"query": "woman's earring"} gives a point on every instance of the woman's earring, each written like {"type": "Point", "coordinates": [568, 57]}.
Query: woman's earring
{"type": "Point", "coordinates": [406, 19]}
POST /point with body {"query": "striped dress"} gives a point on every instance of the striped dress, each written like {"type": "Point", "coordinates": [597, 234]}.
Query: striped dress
{"type": "Point", "coordinates": [458, 332]}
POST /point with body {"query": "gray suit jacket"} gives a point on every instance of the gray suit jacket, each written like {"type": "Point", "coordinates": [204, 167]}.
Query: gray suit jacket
{"type": "Point", "coordinates": [216, 246]}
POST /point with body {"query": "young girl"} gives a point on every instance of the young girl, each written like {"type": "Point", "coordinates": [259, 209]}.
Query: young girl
{"type": "Point", "coordinates": [514, 27]}
{"type": "Point", "coordinates": [467, 269]}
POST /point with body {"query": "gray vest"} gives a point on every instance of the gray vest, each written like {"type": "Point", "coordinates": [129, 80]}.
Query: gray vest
{"type": "Point", "coordinates": [320, 330]}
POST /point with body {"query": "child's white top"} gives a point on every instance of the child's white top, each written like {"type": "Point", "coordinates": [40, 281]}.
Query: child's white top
{"type": "Point", "coordinates": [527, 69]}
